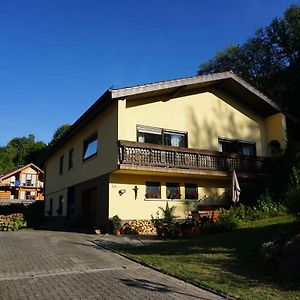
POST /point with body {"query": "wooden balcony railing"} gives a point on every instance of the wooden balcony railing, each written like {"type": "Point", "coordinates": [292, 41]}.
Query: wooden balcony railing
{"type": "Point", "coordinates": [142, 154]}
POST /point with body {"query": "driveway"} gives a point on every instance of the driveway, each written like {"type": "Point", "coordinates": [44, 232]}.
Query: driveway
{"type": "Point", "coordinates": [60, 265]}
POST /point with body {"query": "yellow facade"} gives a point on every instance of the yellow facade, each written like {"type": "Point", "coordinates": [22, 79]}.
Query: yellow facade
{"type": "Point", "coordinates": [104, 162]}
{"type": "Point", "coordinates": [276, 129]}
{"type": "Point", "coordinates": [124, 204]}
{"type": "Point", "coordinates": [205, 115]}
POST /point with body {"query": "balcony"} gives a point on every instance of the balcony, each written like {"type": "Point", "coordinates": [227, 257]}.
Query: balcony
{"type": "Point", "coordinates": [134, 155]}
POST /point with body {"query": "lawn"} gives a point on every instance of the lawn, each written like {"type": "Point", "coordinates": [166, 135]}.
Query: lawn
{"type": "Point", "coordinates": [228, 262]}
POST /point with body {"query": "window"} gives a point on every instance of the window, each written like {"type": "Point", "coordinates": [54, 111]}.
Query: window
{"type": "Point", "coordinates": [236, 146]}
{"type": "Point", "coordinates": [174, 139]}
{"type": "Point", "coordinates": [60, 204]}
{"type": "Point", "coordinates": [28, 179]}
{"type": "Point", "coordinates": [275, 149]}
{"type": "Point", "coordinates": [159, 136]}
{"type": "Point", "coordinates": [153, 190]}
{"type": "Point", "coordinates": [12, 180]}
{"type": "Point", "coordinates": [173, 190]}
{"type": "Point", "coordinates": [27, 195]}
{"type": "Point", "coordinates": [71, 154]}
{"type": "Point", "coordinates": [90, 147]}
{"type": "Point", "coordinates": [191, 191]}
{"type": "Point", "coordinates": [61, 165]}
{"type": "Point", "coordinates": [150, 135]}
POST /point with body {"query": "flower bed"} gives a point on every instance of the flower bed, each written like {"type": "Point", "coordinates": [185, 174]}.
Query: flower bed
{"type": "Point", "coordinates": [12, 222]}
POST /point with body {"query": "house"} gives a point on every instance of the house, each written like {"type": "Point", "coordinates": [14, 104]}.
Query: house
{"type": "Point", "coordinates": [22, 185]}
{"type": "Point", "coordinates": [138, 147]}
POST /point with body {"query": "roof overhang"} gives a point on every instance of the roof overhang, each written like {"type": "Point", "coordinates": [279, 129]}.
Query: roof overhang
{"type": "Point", "coordinates": [226, 81]}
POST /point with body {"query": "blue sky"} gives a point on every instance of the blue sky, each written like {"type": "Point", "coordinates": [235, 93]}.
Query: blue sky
{"type": "Point", "coordinates": [58, 56]}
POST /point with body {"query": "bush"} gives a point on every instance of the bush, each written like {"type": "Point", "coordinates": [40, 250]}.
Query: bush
{"type": "Point", "coordinates": [115, 223]}
{"type": "Point", "coordinates": [272, 250]}
{"type": "Point", "coordinates": [293, 193]}
{"type": "Point", "coordinates": [166, 221]}
{"type": "Point", "coordinates": [268, 206]}
{"type": "Point", "coordinates": [12, 222]}
{"type": "Point", "coordinates": [227, 221]}
{"type": "Point", "coordinates": [244, 212]}
{"type": "Point", "coordinates": [168, 216]}
{"type": "Point", "coordinates": [157, 221]}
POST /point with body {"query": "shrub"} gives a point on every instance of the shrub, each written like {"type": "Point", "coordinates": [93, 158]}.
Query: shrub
{"type": "Point", "coordinates": [12, 222]}
{"type": "Point", "coordinates": [227, 221]}
{"type": "Point", "coordinates": [166, 221]}
{"type": "Point", "coordinates": [115, 222]}
{"type": "Point", "coordinates": [188, 205]}
{"type": "Point", "coordinates": [266, 205]}
{"type": "Point", "coordinates": [293, 193]}
{"type": "Point", "coordinates": [157, 221]}
{"type": "Point", "coordinates": [244, 212]}
{"type": "Point", "coordinates": [188, 223]}
{"type": "Point", "coordinates": [272, 250]}
{"type": "Point", "coordinates": [168, 216]}
{"type": "Point", "coordinates": [269, 252]}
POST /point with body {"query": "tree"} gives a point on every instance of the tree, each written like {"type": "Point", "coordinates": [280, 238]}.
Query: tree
{"type": "Point", "coordinates": [20, 151]}
{"type": "Point", "coordinates": [59, 132]}
{"type": "Point", "coordinates": [270, 60]}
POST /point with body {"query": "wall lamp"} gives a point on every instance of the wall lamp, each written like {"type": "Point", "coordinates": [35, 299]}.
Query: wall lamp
{"type": "Point", "coordinates": [121, 192]}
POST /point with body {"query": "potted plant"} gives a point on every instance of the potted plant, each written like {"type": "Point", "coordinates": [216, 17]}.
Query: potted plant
{"type": "Point", "coordinates": [188, 205]}
{"type": "Point", "coordinates": [158, 224]}
{"type": "Point", "coordinates": [164, 223]}
{"type": "Point", "coordinates": [188, 227]}
{"type": "Point", "coordinates": [168, 219]}
{"type": "Point", "coordinates": [116, 224]}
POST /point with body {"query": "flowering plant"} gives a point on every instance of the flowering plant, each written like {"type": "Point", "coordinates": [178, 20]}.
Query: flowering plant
{"type": "Point", "coordinates": [12, 222]}
{"type": "Point", "coordinates": [174, 196]}
{"type": "Point", "coordinates": [152, 195]}
{"type": "Point", "coordinates": [188, 223]}
{"type": "Point", "coordinates": [191, 195]}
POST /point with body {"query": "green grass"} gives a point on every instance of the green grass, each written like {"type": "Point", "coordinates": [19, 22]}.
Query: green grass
{"type": "Point", "coordinates": [227, 262]}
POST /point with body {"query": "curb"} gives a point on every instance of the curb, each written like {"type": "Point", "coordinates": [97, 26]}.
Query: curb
{"type": "Point", "coordinates": [216, 292]}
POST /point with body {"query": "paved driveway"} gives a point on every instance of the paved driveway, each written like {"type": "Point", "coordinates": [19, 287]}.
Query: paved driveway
{"type": "Point", "coordinates": [59, 265]}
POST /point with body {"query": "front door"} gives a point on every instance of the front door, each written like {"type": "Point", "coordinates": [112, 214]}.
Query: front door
{"type": "Point", "coordinates": [89, 198]}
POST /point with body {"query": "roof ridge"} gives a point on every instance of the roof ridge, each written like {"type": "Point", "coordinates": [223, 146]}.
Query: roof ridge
{"type": "Point", "coordinates": [172, 80]}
